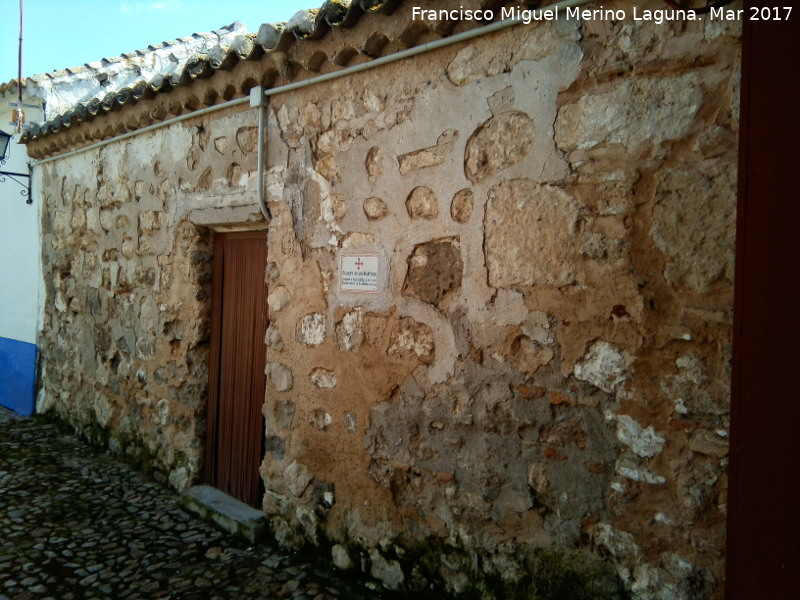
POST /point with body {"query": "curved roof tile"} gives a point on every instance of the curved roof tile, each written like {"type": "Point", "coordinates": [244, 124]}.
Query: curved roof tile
{"type": "Point", "coordinates": [185, 59]}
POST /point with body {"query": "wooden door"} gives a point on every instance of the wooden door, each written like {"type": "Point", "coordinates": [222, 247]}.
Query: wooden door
{"type": "Point", "coordinates": [235, 424]}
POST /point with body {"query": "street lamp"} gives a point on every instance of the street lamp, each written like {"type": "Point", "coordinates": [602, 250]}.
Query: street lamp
{"type": "Point", "coordinates": [5, 140]}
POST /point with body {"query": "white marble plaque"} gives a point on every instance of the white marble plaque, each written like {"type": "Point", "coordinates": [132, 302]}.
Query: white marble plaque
{"type": "Point", "coordinates": [359, 273]}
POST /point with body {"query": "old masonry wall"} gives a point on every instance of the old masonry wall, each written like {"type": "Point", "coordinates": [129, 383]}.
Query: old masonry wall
{"type": "Point", "coordinates": [545, 362]}
{"type": "Point", "coordinates": [538, 386]}
{"type": "Point", "coordinates": [127, 266]}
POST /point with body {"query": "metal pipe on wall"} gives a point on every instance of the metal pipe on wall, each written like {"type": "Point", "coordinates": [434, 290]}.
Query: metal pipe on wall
{"type": "Point", "coordinates": [259, 95]}
{"type": "Point", "coordinates": [378, 62]}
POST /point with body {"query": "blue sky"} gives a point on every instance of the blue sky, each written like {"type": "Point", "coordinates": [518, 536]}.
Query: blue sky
{"type": "Point", "coordinates": [66, 33]}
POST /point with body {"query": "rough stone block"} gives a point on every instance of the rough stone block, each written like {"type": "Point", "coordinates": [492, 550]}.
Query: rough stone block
{"type": "Point", "coordinates": [435, 270]}
{"type": "Point", "coordinates": [462, 205]}
{"type": "Point", "coordinates": [422, 203]}
{"type": "Point", "coordinates": [297, 476]}
{"type": "Point", "coordinates": [311, 329]}
{"type": "Point", "coordinates": [374, 164]}
{"type": "Point", "coordinates": [280, 375]}
{"type": "Point", "coordinates": [149, 221]}
{"type": "Point", "coordinates": [322, 378]}
{"type": "Point", "coordinates": [349, 332]}
{"type": "Point", "coordinates": [638, 111]}
{"type": "Point", "coordinates": [278, 299]}
{"type": "Point", "coordinates": [428, 157]}
{"type": "Point", "coordinates": [696, 236]}
{"type": "Point", "coordinates": [499, 143]}
{"type": "Point", "coordinates": [375, 209]}
{"type": "Point", "coordinates": [387, 572]}
{"type": "Point", "coordinates": [411, 339]}
{"type": "Point", "coordinates": [529, 231]}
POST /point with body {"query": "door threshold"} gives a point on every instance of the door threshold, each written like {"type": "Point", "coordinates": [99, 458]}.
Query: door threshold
{"type": "Point", "coordinates": [225, 512]}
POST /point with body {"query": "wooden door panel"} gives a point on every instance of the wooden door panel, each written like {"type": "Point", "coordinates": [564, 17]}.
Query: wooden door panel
{"type": "Point", "coordinates": [235, 434]}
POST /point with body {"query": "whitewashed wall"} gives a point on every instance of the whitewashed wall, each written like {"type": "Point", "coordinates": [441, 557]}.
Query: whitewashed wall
{"type": "Point", "coordinates": [20, 276]}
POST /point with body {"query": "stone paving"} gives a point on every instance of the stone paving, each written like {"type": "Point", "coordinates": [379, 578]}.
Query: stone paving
{"type": "Point", "coordinates": [75, 524]}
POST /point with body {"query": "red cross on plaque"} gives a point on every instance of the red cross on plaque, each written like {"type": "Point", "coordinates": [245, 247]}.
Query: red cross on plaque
{"type": "Point", "coordinates": [359, 264]}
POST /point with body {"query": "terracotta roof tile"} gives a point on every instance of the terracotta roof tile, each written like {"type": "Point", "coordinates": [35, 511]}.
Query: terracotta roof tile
{"type": "Point", "coordinates": [116, 81]}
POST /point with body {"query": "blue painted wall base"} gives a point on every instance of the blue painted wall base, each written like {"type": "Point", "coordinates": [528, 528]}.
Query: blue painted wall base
{"type": "Point", "coordinates": [18, 376]}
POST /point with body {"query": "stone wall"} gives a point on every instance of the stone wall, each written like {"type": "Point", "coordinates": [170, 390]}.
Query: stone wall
{"type": "Point", "coordinates": [535, 397]}
{"type": "Point", "coordinates": [546, 368]}
{"type": "Point", "coordinates": [127, 266]}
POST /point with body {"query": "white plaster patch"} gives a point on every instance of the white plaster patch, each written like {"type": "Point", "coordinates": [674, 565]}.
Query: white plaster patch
{"type": "Point", "coordinates": [311, 329]}
{"type": "Point", "coordinates": [619, 543]}
{"type": "Point", "coordinates": [641, 475]}
{"type": "Point", "coordinates": [644, 442]}
{"type": "Point", "coordinates": [349, 333]}
{"type": "Point", "coordinates": [603, 366]}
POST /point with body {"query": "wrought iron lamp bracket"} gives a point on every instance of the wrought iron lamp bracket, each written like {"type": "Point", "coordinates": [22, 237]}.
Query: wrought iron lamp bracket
{"type": "Point", "coordinates": [25, 192]}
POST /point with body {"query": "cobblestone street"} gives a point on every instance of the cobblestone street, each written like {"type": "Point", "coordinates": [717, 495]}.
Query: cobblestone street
{"type": "Point", "coordinates": [76, 524]}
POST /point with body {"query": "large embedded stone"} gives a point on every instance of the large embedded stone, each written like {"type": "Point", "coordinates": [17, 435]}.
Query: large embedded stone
{"type": "Point", "coordinates": [311, 330]}
{"type": "Point", "coordinates": [297, 477]}
{"type": "Point", "coordinates": [462, 205]}
{"type": "Point", "coordinates": [247, 139]}
{"type": "Point", "coordinates": [374, 164]}
{"type": "Point", "coordinates": [435, 270]}
{"type": "Point", "coordinates": [278, 299]}
{"type": "Point", "coordinates": [281, 376]}
{"type": "Point", "coordinates": [375, 208]}
{"type": "Point", "coordinates": [411, 339]}
{"type": "Point", "coordinates": [284, 413]}
{"type": "Point", "coordinates": [354, 239]}
{"type": "Point", "coordinates": [428, 157]}
{"type": "Point", "coordinates": [464, 69]}
{"type": "Point", "coordinates": [322, 378]}
{"type": "Point", "coordinates": [387, 572]}
{"type": "Point", "coordinates": [638, 111]}
{"type": "Point", "coordinates": [696, 236]}
{"type": "Point", "coordinates": [499, 143]}
{"type": "Point", "coordinates": [340, 558]}
{"type": "Point", "coordinates": [510, 500]}
{"type": "Point", "coordinates": [349, 332]}
{"type": "Point", "coordinates": [274, 339]}
{"type": "Point", "coordinates": [422, 203]}
{"type": "Point", "coordinates": [150, 221]}
{"type": "Point", "coordinates": [530, 230]}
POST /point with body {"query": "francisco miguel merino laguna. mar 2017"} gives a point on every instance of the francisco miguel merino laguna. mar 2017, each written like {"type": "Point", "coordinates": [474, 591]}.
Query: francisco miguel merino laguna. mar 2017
{"type": "Point", "coordinates": [659, 16]}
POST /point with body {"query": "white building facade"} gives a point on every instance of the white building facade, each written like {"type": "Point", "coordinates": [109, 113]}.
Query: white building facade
{"type": "Point", "coordinates": [20, 268]}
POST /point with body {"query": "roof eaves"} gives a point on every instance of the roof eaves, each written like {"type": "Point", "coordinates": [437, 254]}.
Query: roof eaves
{"type": "Point", "coordinates": [304, 26]}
